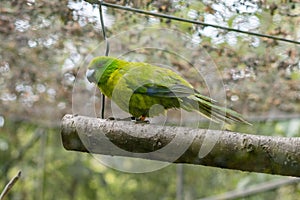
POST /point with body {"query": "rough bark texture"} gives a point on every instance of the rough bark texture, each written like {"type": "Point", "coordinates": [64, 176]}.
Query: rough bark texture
{"type": "Point", "coordinates": [254, 153]}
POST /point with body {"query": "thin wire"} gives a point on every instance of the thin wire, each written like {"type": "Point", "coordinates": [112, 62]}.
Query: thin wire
{"type": "Point", "coordinates": [106, 52]}
{"type": "Point", "coordinates": [197, 22]}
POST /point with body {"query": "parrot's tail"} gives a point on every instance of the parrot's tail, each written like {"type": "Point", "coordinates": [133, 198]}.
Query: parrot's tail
{"type": "Point", "coordinates": [208, 108]}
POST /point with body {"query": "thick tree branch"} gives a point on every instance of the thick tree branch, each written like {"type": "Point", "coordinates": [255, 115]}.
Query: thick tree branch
{"type": "Point", "coordinates": [255, 153]}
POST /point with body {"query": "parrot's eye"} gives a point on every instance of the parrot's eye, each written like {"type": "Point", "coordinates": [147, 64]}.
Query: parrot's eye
{"type": "Point", "coordinates": [90, 75]}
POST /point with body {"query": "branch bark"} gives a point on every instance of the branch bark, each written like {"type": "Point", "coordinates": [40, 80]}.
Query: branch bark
{"type": "Point", "coordinates": [254, 153]}
{"type": "Point", "coordinates": [9, 185]}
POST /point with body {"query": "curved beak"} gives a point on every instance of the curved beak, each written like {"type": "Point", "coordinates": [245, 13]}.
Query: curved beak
{"type": "Point", "coordinates": [90, 75]}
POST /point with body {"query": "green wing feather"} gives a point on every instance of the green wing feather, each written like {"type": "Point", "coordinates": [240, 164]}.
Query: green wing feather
{"type": "Point", "coordinates": [191, 100]}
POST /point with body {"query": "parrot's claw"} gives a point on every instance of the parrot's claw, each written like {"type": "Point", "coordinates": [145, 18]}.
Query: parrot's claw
{"type": "Point", "coordinates": [132, 119]}
{"type": "Point", "coordinates": [120, 119]}
{"type": "Point", "coordinates": [141, 121]}
{"type": "Point", "coordinates": [111, 118]}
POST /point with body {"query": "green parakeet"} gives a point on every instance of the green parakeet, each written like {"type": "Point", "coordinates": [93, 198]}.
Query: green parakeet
{"type": "Point", "coordinates": [145, 90]}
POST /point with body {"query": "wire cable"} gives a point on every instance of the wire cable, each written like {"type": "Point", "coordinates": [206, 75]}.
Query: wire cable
{"type": "Point", "coordinates": [197, 22]}
{"type": "Point", "coordinates": [106, 52]}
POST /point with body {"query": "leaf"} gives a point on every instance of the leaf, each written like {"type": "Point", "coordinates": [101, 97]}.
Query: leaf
{"type": "Point", "coordinates": [230, 21]}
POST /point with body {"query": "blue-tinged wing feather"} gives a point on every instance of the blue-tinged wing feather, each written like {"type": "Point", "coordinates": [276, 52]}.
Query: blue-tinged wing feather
{"type": "Point", "coordinates": [172, 91]}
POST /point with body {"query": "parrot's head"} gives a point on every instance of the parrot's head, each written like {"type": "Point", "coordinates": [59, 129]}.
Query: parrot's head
{"type": "Point", "coordinates": [97, 68]}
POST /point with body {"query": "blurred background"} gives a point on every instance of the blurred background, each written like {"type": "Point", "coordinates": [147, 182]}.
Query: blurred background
{"type": "Point", "coordinates": [46, 45]}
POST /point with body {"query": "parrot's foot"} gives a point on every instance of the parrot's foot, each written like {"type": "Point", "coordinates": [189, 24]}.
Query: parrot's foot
{"type": "Point", "coordinates": [141, 120]}
{"type": "Point", "coordinates": [120, 119]}
{"type": "Point", "coordinates": [132, 119]}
